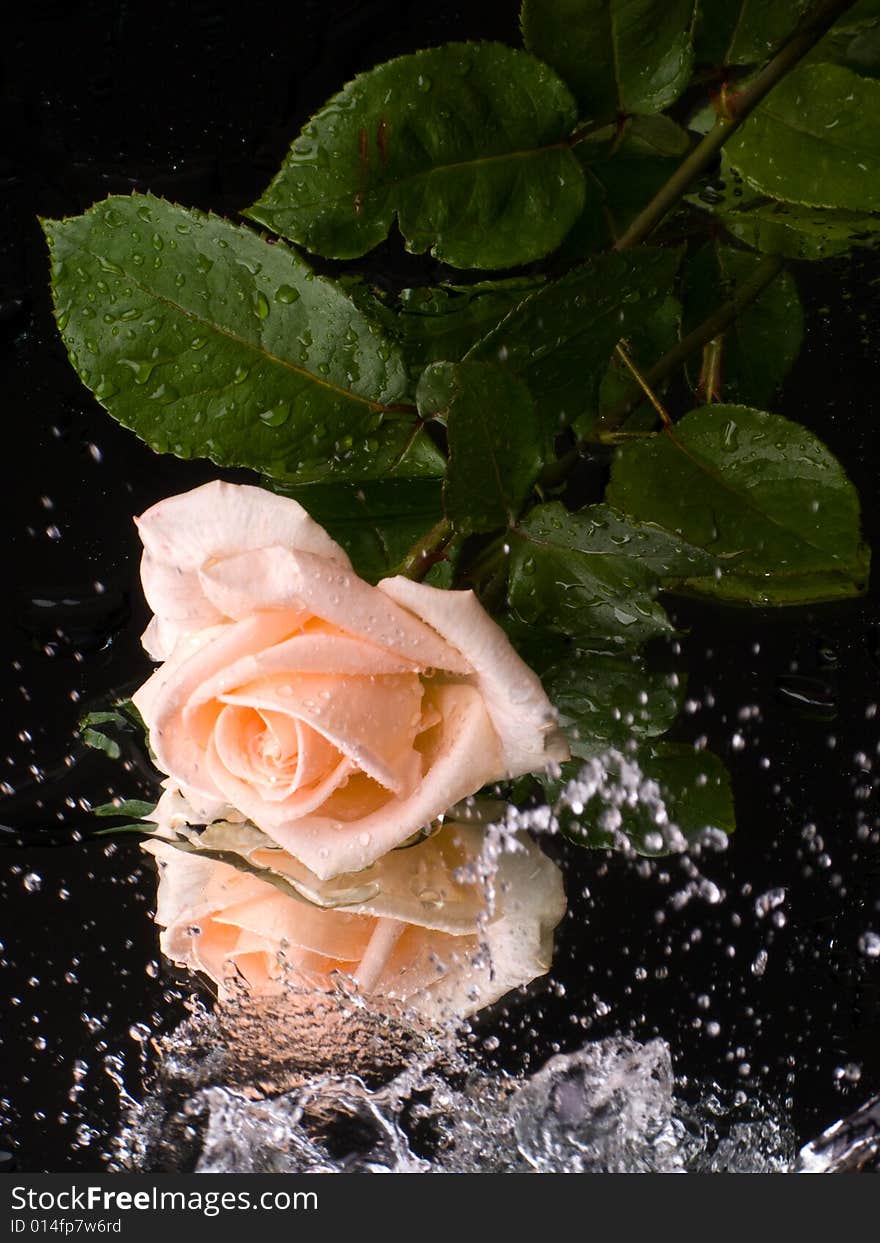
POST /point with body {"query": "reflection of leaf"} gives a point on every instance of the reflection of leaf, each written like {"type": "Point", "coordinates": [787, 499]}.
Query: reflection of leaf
{"type": "Point", "coordinates": [618, 56]}
{"type": "Point", "coordinates": [764, 340]}
{"type": "Point", "coordinates": [594, 574]}
{"type": "Point", "coordinates": [210, 342]}
{"type": "Point", "coordinates": [465, 145]}
{"type": "Point", "coordinates": [814, 140]}
{"type": "Point", "coordinates": [494, 442]}
{"type": "Point", "coordinates": [652, 799]}
{"type": "Point", "coordinates": [559, 339]}
{"type": "Point", "coordinates": [376, 523]}
{"type": "Point", "coordinates": [605, 701]}
{"type": "Point", "coordinates": [753, 488]}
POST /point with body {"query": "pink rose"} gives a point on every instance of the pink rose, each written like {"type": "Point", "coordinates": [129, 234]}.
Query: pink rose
{"type": "Point", "coordinates": [338, 717]}
{"type": "Point", "coordinates": [415, 934]}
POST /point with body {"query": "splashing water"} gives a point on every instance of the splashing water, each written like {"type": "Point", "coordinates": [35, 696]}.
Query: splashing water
{"type": "Point", "coordinates": [420, 1105]}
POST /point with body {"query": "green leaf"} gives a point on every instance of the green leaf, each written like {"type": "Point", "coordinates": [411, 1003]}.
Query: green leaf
{"type": "Point", "coordinates": [762, 343]}
{"type": "Point", "coordinates": [560, 338]}
{"type": "Point", "coordinates": [126, 807]}
{"type": "Point", "coordinates": [814, 140]}
{"type": "Point", "coordinates": [466, 145]}
{"type": "Point", "coordinates": [605, 701]}
{"type": "Point", "coordinates": [745, 32]}
{"type": "Point", "coordinates": [801, 232]}
{"type": "Point", "coordinates": [494, 442]}
{"type": "Point", "coordinates": [785, 229]}
{"type": "Point", "coordinates": [442, 323]}
{"type": "Point", "coordinates": [594, 574]}
{"type": "Point", "coordinates": [762, 494]}
{"type": "Point", "coordinates": [207, 341]}
{"type": "Point", "coordinates": [654, 799]}
{"type": "Point", "coordinates": [103, 718]}
{"type": "Point", "coordinates": [376, 523]}
{"type": "Point", "coordinates": [100, 742]}
{"type": "Point", "coordinates": [618, 56]}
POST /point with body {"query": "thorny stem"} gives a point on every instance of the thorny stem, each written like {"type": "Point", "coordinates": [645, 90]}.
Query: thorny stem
{"type": "Point", "coordinates": [736, 107]}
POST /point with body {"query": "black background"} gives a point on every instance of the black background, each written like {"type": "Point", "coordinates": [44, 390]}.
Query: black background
{"type": "Point", "coordinates": [198, 102]}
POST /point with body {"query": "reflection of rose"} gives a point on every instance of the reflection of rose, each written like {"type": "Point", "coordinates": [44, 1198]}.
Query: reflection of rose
{"type": "Point", "coordinates": [338, 717]}
{"type": "Point", "coordinates": [421, 937]}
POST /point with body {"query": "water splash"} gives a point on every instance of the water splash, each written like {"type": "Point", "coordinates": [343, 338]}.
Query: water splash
{"type": "Point", "coordinates": [419, 1104]}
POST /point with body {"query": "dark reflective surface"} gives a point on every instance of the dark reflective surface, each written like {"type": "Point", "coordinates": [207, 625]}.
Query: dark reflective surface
{"type": "Point", "coordinates": [759, 983]}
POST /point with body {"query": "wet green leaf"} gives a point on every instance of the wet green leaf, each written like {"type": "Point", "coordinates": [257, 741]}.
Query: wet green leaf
{"type": "Point", "coordinates": [376, 523]}
{"type": "Point", "coordinates": [815, 140]}
{"type": "Point", "coordinates": [495, 442]}
{"type": "Point", "coordinates": [559, 339]}
{"type": "Point", "coordinates": [209, 342]}
{"type": "Point", "coordinates": [594, 574]}
{"type": "Point", "coordinates": [101, 742]}
{"type": "Point", "coordinates": [786, 229]}
{"type": "Point", "coordinates": [125, 807]}
{"type": "Point", "coordinates": [744, 32]}
{"type": "Point", "coordinates": [762, 343]}
{"type": "Point", "coordinates": [653, 799]}
{"type": "Point", "coordinates": [605, 701]}
{"type": "Point", "coordinates": [802, 232]}
{"type": "Point", "coordinates": [465, 145]}
{"type": "Point", "coordinates": [441, 323]}
{"type": "Point", "coordinates": [618, 56]}
{"type": "Point", "coordinates": [759, 492]}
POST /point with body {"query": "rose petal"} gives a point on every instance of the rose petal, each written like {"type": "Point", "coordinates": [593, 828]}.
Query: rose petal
{"type": "Point", "coordinates": [223, 519]}
{"type": "Point", "coordinates": [521, 713]}
{"type": "Point", "coordinates": [304, 653]}
{"type": "Point", "coordinates": [464, 755]}
{"type": "Point", "coordinates": [373, 721]}
{"type": "Point", "coordinates": [278, 578]}
{"type": "Point", "coordinates": [266, 812]}
{"type": "Point", "coordinates": [163, 698]}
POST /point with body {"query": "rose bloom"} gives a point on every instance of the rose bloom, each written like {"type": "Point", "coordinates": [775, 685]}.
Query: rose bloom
{"type": "Point", "coordinates": [419, 937]}
{"type": "Point", "coordinates": [338, 717]}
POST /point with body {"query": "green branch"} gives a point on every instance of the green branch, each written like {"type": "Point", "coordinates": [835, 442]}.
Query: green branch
{"type": "Point", "coordinates": [720, 319]}
{"type": "Point", "coordinates": [736, 108]}
{"type": "Point", "coordinates": [427, 551]}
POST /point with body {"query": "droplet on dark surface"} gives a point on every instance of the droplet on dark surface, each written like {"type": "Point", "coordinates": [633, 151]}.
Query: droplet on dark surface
{"type": "Point", "coordinates": [810, 696]}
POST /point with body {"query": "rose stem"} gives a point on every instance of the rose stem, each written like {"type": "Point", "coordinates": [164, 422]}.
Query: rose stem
{"type": "Point", "coordinates": [385, 936]}
{"type": "Point", "coordinates": [736, 106]}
